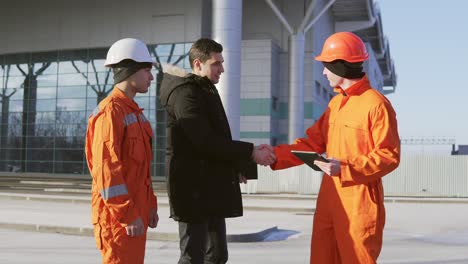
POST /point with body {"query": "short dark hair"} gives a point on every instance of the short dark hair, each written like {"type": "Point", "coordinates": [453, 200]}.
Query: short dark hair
{"type": "Point", "coordinates": [202, 49]}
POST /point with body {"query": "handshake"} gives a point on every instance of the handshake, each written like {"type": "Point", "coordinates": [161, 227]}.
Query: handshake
{"type": "Point", "coordinates": [264, 155]}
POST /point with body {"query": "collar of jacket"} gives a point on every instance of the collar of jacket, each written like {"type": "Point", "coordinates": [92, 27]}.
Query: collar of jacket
{"type": "Point", "coordinates": [356, 89]}
{"type": "Point", "coordinates": [117, 93]}
{"type": "Point", "coordinates": [204, 82]}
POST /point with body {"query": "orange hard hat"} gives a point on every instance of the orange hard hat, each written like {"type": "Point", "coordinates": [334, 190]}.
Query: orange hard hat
{"type": "Point", "coordinates": [343, 46]}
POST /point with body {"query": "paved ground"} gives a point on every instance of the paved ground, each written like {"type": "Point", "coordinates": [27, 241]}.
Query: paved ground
{"type": "Point", "coordinates": [416, 232]}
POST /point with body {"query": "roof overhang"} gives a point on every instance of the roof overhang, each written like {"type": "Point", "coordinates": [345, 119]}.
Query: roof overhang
{"type": "Point", "coordinates": [362, 17]}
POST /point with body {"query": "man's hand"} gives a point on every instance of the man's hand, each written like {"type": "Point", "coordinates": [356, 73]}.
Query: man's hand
{"type": "Point", "coordinates": [154, 218]}
{"type": "Point", "coordinates": [242, 179]}
{"type": "Point", "coordinates": [136, 228]}
{"type": "Point", "coordinates": [264, 155]}
{"type": "Point", "coordinates": [332, 168]}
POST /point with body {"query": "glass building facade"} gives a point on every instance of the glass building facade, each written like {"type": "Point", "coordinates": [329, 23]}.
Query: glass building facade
{"type": "Point", "coordinates": [46, 99]}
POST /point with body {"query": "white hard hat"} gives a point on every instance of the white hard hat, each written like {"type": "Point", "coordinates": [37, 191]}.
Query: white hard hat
{"type": "Point", "coordinates": [128, 48]}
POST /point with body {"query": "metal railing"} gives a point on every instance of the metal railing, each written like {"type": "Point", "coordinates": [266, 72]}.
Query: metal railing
{"type": "Point", "coordinates": [422, 175]}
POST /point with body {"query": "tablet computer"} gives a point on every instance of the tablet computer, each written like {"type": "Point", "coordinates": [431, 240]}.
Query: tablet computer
{"type": "Point", "coordinates": [308, 157]}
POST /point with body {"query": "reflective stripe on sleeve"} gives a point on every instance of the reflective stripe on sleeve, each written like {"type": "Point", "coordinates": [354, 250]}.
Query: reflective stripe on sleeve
{"type": "Point", "coordinates": [130, 119]}
{"type": "Point", "coordinates": [114, 191]}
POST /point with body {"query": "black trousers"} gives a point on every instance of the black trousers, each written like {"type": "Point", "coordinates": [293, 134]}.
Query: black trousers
{"type": "Point", "coordinates": [203, 242]}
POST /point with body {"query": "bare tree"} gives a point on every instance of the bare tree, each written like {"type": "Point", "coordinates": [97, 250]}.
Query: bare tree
{"type": "Point", "coordinates": [29, 106]}
{"type": "Point", "coordinates": [70, 118]}
{"type": "Point", "coordinates": [69, 131]}
{"type": "Point", "coordinates": [5, 100]}
{"type": "Point", "coordinates": [161, 115]}
{"type": "Point", "coordinates": [14, 138]}
{"type": "Point", "coordinates": [100, 89]}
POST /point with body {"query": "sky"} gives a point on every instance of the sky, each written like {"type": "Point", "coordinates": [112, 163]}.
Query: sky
{"type": "Point", "coordinates": [429, 45]}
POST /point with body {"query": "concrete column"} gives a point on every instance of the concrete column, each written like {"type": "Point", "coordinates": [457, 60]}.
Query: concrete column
{"type": "Point", "coordinates": [296, 86]}
{"type": "Point", "coordinates": [227, 30]}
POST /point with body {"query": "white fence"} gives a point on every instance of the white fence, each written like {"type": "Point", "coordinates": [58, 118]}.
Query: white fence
{"type": "Point", "coordinates": [433, 176]}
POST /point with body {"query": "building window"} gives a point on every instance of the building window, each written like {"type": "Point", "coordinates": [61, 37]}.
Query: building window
{"type": "Point", "coordinates": [46, 99]}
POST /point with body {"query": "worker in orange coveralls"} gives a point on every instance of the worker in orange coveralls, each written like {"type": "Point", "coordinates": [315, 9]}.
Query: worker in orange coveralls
{"type": "Point", "coordinates": [358, 132]}
{"type": "Point", "coordinates": [119, 154]}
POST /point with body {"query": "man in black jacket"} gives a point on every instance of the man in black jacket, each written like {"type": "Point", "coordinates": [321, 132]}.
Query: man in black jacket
{"type": "Point", "coordinates": [203, 164]}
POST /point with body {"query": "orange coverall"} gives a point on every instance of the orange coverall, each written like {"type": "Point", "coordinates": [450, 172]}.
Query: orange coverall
{"type": "Point", "coordinates": [118, 152]}
{"type": "Point", "coordinates": [360, 130]}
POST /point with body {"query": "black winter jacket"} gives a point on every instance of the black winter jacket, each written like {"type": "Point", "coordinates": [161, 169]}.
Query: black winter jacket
{"type": "Point", "coordinates": [202, 160]}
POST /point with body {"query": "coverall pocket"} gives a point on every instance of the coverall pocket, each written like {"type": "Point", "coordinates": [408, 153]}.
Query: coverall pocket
{"type": "Point", "coordinates": [364, 226]}
{"type": "Point", "coordinates": [137, 150]}
{"type": "Point", "coordinates": [352, 130]}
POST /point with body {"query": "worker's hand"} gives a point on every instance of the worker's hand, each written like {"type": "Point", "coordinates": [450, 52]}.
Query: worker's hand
{"type": "Point", "coordinates": [264, 155]}
{"type": "Point", "coordinates": [154, 218]}
{"type": "Point", "coordinates": [137, 228]}
{"type": "Point", "coordinates": [331, 168]}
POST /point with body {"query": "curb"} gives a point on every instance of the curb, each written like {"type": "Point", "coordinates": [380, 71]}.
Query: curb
{"type": "Point", "coordinates": [73, 200]}
{"type": "Point", "coordinates": [80, 200]}
{"type": "Point", "coordinates": [307, 210]}
{"type": "Point", "coordinates": [82, 231]}
{"type": "Point", "coordinates": [423, 261]}
{"type": "Point", "coordinates": [426, 200]}
{"type": "Point", "coordinates": [157, 236]}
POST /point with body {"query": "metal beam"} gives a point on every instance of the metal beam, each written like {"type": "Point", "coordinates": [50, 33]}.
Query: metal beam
{"type": "Point", "coordinates": [327, 6]}
{"type": "Point", "coordinates": [308, 14]}
{"type": "Point", "coordinates": [227, 30]}
{"type": "Point", "coordinates": [280, 16]}
{"type": "Point", "coordinates": [428, 141]}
